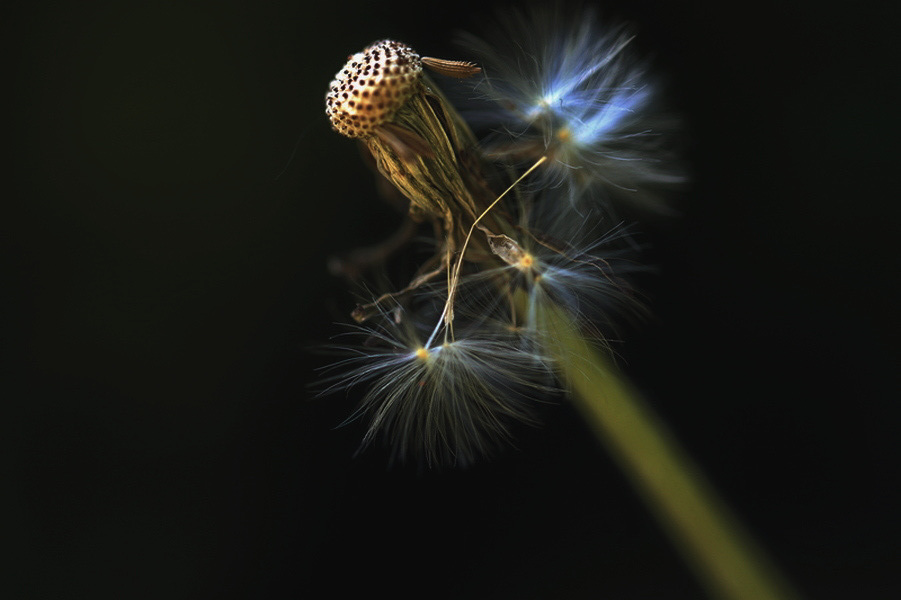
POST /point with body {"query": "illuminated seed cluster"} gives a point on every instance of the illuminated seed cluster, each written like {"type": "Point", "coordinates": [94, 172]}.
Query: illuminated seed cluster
{"type": "Point", "coordinates": [371, 87]}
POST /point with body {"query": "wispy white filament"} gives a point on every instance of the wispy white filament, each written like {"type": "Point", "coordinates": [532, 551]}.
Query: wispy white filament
{"type": "Point", "coordinates": [563, 85]}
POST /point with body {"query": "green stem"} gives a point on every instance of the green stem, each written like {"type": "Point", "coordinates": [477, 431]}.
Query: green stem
{"type": "Point", "coordinates": [725, 559]}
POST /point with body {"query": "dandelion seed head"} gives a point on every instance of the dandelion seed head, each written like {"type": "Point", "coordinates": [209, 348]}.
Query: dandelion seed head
{"type": "Point", "coordinates": [464, 354]}
{"type": "Point", "coordinates": [371, 87]}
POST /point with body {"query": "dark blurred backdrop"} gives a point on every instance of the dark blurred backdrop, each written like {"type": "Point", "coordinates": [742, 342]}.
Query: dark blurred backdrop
{"type": "Point", "coordinates": [173, 195]}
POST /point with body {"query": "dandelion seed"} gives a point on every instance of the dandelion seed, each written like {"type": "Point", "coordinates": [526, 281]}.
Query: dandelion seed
{"type": "Point", "coordinates": [576, 269]}
{"type": "Point", "coordinates": [448, 404]}
{"type": "Point", "coordinates": [563, 87]}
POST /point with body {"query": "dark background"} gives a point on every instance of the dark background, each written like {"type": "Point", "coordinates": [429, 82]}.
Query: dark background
{"type": "Point", "coordinates": [174, 193]}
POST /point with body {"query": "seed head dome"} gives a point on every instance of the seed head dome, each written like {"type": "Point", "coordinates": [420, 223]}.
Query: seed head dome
{"type": "Point", "coordinates": [371, 87]}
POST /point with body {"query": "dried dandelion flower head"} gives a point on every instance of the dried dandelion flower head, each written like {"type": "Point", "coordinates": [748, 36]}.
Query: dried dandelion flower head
{"type": "Point", "coordinates": [514, 238]}
{"type": "Point", "coordinates": [371, 87]}
{"type": "Point", "coordinates": [383, 98]}
{"type": "Point", "coordinates": [514, 308]}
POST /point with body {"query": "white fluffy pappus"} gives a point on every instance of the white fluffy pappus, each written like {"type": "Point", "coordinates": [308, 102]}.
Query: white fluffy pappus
{"type": "Point", "coordinates": [449, 402]}
{"type": "Point", "coordinates": [570, 266]}
{"type": "Point", "coordinates": [561, 85]}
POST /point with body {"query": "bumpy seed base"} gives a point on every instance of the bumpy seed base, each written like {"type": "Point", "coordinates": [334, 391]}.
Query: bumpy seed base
{"type": "Point", "coordinates": [371, 87]}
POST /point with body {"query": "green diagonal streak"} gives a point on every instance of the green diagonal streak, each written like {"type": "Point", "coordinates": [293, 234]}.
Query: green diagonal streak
{"type": "Point", "coordinates": [726, 560]}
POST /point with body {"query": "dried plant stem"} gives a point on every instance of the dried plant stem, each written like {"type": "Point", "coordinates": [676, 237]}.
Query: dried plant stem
{"type": "Point", "coordinates": [727, 562]}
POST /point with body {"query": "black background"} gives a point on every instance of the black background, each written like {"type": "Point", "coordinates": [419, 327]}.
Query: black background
{"type": "Point", "coordinates": [174, 193]}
